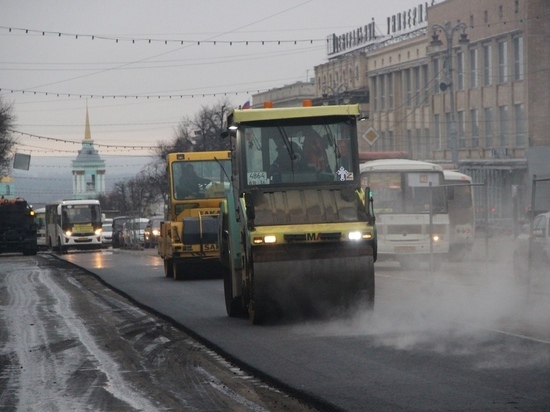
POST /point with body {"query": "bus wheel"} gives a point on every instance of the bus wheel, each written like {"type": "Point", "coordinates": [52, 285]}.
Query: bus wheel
{"type": "Point", "coordinates": [60, 248]}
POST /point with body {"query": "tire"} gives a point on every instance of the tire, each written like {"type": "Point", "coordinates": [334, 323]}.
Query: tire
{"type": "Point", "coordinates": [233, 304]}
{"type": "Point", "coordinates": [370, 285]}
{"type": "Point", "coordinates": [178, 271]}
{"type": "Point", "coordinates": [168, 268]}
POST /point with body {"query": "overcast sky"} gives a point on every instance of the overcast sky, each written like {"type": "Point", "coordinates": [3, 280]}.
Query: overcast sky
{"type": "Point", "coordinates": [44, 75]}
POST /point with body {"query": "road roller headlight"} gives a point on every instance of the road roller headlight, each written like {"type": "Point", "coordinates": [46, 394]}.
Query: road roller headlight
{"type": "Point", "coordinates": [436, 237]}
{"type": "Point", "coordinates": [68, 233]}
{"type": "Point", "coordinates": [98, 232]}
{"type": "Point", "coordinates": [259, 240]}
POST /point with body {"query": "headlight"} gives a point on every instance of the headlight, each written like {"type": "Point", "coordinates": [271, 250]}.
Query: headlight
{"type": "Point", "coordinates": [98, 232]}
{"type": "Point", "coordinates": [436, 237]}
{"type": "Point", "coordinates": [355, 235]}
{"type": "Point", "coordinates": [265, 239]}
{"type": "Point", "coordinates": [68, 233]}
{"type": "Point", "coordinates": [156, 232]}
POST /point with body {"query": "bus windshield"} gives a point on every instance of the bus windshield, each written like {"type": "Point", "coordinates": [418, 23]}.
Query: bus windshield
{"type": "Point", "coordinates": [74, 214]}
{"type": "Point", "coordinates": [298, 150]}
{"type": "Point", "coordinates": [459, 194]}
{"type": "Point", "coordinates": [406, 192]}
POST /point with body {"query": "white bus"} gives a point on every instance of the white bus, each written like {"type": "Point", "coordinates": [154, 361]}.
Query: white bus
{"type": "Point", "coordinates": [460, 201]}
{"type": "Point", "coordinates": [40, 220]}
{"type": "Point", "coordinates": [408, 230]}
{"type": "Point", "coordinates": [73, 224]}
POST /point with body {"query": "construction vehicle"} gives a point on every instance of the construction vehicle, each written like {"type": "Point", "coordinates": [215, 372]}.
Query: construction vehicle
{"type": "Point", "coordinates": [17, 227]}
{"type": "Point", "coordinates": [188, 241]}
{"type": "Point", "coordinates": [297, 234]}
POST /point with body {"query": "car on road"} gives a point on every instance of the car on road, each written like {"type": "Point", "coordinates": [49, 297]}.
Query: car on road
{"type": "Point", "coordinates": [133, 231]}
{"type": "Point", "coordinates": [540, 249]}
{"type": "Point", "coordinates": [107, 233]}
{"type": "Point", "coordinates": [152, 231]}
{"type": "Point", "coordinates": [117, 227]}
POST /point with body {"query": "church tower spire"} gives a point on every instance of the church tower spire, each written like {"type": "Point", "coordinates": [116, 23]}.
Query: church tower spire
{"type": "Point", "coordinates": [87, 132]}
{"type": "Point", "coordinates": [88, 168]}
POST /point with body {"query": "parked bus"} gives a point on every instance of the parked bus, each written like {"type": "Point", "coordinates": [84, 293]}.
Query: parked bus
{"type": "Point", "coordinates": [40, 219]}
{"type": "Point", "coordinates": [73, 224]}
{"type": "Point", "coordinates": [408, 229]}
{"type": "Point", "coordinates": [460, 201]}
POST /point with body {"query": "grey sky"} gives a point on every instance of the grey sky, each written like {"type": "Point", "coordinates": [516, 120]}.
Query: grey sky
{"type": "Point", "coordinates": [67, 65]}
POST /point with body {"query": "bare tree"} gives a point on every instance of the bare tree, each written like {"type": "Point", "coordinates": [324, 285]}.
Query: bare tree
{"type": "Point", "coordinates": [7, 141]}
{"type": "Point", "coordinates": [202, 133]}
{"type": "Point", "coordinates": [208, 124]}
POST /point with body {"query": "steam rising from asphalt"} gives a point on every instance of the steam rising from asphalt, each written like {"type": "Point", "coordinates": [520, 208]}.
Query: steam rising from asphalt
{"type": "Point", "coordinates": [458, 309]}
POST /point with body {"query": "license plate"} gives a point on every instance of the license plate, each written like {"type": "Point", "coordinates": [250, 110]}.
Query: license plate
{"type": "Point", "coordinates": [405, 249]}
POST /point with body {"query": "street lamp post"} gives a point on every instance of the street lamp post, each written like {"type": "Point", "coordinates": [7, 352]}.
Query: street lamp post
{"type": "Point", "coordinates": [335, 92]}
{"type": "Point", "coordinates": [449, 31]}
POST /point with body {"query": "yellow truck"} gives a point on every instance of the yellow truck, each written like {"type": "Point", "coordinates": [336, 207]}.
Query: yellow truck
{"type": "Point", "coordinates": [297, 233]}
{"type": "Point", "coordinates": [188, 242]}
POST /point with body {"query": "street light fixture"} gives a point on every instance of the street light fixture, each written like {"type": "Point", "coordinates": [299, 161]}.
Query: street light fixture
{"type": "Point", "coordinates": [449, 31]}
{"type": "Point", "coordinates": [336, 92]}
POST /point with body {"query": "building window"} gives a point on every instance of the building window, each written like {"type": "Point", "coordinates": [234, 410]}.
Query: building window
{"type": "Point", "coordinates": [460, 129]}
{"type": "Point", "coordinates": [485, 17]}
{"type": "Point", "coordinates": [520, 124]}
{"type": "Point", "coordinates": [390, 90]}
{"type": "Point", "coordinates": [488, 127]}
{"type": "Point", "coordinates": [374, 94]}
{"type": "Point", "coordinates": [502, 62]}
{"type": "Point", "coordinates": [416, 74]}
{"type": "Point", "coordinates": [436, 76]}
{"type": "Point", "coordinates": [448, 121]}
{"type": "Point", "coordinates": [381, 142]}
{"type": "Point", "coordinates": [460, 70]}
{"type": "Point", "coordinates": [427, 144]}
{"type": "Point", "coordinates": [425, 86]}
{"type": "Point", "coordinates": [409, 143]}
{"type": "Point", "coordinates": [503, 120]}
{"type": "Point", "coordinates": [518, 58]}
{"type": "Point", "coordinates": [487, 65]}
{"type": "Point", "coordinates": [473, 68]}
{"type": "Point", "coordinates": [382, 92]}
{"type": "Point", "coordinates": [437, 132]}
{"type": "Point", "coordinates": [418, 143]}
{"type": "Point", "coordinates": [472, 21]}
{"type": "Point", "coordinates": [474, 128]}
{"type": "Point", "coordinates": [516, 6]}
{"type": "Point", "coordinates": [391, 143]}
{"type": "Point", "coordinates": [408, 87]}
{"type": "Point", "coordinates": [500, 13]}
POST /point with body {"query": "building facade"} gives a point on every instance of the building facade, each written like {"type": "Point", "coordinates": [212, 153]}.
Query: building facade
{"type": "Point", "coordinates": [7, 187]}
{"type": "Point", "coordinates": [88, 169]}
{"type": "Point", "coordinates": [462, 83]}
{"type": "Point", "coordinates": [286, 96]}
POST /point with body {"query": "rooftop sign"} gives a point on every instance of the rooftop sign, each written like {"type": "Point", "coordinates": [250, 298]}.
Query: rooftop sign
{"type": "Point", "coordinates": [362, 36]}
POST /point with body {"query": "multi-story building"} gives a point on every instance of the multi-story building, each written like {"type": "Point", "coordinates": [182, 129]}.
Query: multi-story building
{"type": "Point", "coordinates": [286, 96]}
{"type": "Point", "coordinates": [461, 82]}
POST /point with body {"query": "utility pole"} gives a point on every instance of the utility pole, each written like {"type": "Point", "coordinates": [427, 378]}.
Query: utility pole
{"type": "Point", "coordinates": [449, 31]}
